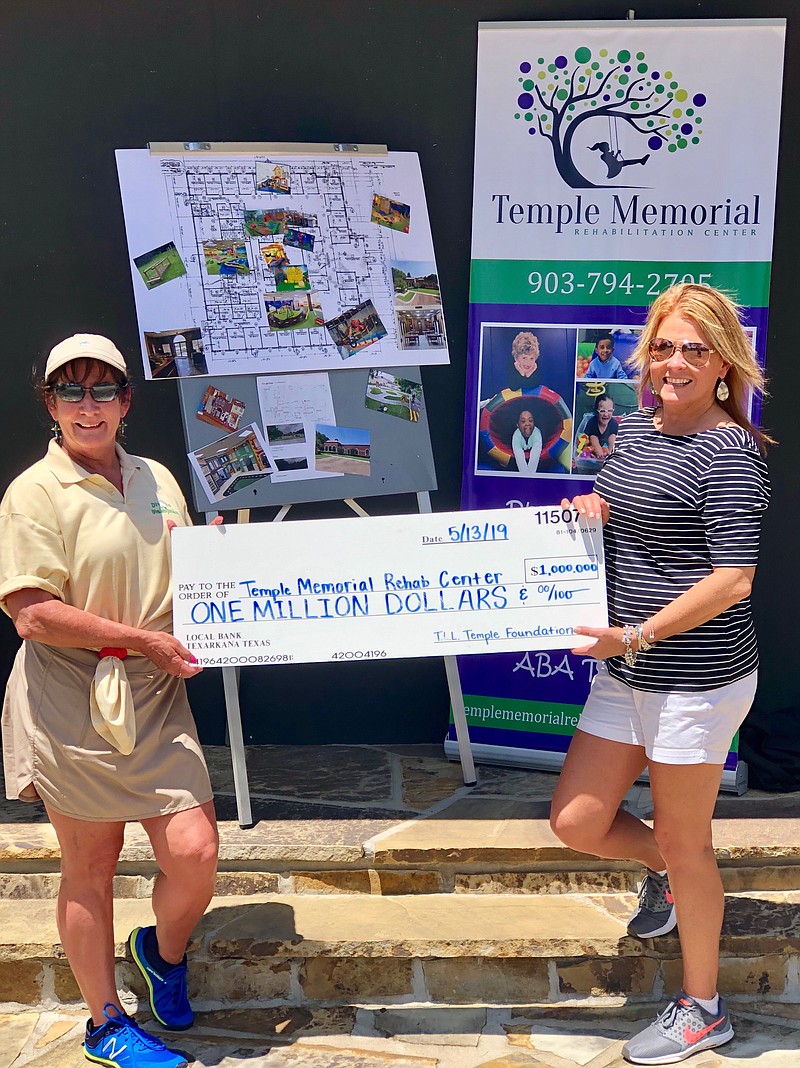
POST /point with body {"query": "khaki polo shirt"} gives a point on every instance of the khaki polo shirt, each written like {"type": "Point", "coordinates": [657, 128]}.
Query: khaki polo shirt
{"type": "Point", "coordinates": [74, 535]}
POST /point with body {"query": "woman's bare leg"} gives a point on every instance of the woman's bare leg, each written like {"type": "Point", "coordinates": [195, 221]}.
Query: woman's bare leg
{"type": "Point", "coordinates": [85, 908]}
{"type": "Point", "coordinates": [585, 812]}
{"type": "Point", "coordinates": [683, 833]}
{"type": "Point", "coordinates": [186, 845]}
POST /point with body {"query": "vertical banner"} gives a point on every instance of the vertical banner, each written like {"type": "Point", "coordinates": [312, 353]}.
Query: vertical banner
{"type": "Point", "coordinates": [612, 160]}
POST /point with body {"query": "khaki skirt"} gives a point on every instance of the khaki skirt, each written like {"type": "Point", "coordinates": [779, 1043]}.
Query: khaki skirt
{"type": "Point", "coordinates": [49, 741]}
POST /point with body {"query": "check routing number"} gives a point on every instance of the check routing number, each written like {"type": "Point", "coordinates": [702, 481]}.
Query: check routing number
{"type": "Point", "coordinates": [388, 586]}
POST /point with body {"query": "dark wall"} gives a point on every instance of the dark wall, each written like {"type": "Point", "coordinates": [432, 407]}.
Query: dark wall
{"type": "Point", "coordinates": [79, 78]}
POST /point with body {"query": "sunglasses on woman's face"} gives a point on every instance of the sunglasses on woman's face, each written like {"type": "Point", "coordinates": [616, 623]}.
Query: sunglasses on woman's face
{"type": "Point", "coordinates": [694, 352]}
{"type": "Point", "coordinates": [74, 392]}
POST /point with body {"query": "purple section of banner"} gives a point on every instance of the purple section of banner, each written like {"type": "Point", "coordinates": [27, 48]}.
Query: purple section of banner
{"type": "Point", "coordinates": [498, 491]}
{"type": "Point", "coordinates": [554, 676]}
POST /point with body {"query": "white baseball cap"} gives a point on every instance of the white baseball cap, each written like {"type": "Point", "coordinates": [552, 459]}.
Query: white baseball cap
{"type": "Point", "coordinates": [87, 347]}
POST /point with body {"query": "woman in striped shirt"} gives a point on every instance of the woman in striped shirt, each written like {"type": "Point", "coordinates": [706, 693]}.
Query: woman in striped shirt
{"type": "Point", "coordinates": [681, 499]}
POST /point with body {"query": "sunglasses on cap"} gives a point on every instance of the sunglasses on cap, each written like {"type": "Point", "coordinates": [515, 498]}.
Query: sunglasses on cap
{"type": "Point", "coordinates": [74, 392]}
{"type": "Point", "coordinates": [694, 352]}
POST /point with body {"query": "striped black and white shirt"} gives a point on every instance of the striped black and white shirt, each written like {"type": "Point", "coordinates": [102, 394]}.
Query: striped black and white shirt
{"type": "Point", "coordinates": [681, 506]}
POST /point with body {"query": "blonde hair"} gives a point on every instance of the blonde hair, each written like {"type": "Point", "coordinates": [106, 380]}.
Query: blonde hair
{"type": "Point", "coordinates": [525, 342]}
{"type": "Point", "coordinates": [717, 318]}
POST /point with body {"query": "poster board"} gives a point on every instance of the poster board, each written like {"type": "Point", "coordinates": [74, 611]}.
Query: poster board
{"type": "Point", "coordinates": [257, 261]}
{"type": "Point", "coordinates": [401, 459]}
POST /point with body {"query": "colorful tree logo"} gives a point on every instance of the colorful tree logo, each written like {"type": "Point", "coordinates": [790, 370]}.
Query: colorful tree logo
{"type": "Point", "coordinates": [620, 88]}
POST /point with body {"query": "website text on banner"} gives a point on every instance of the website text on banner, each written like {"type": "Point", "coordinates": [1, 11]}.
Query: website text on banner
{"type": "Point", "coordinates": [419, 585]}
{"type": "Point", "coordinates": [609, 165]}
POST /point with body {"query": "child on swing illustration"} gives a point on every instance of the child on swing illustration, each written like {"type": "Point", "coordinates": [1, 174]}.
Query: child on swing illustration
{"type": "Point", "coordinates": [613, 159]}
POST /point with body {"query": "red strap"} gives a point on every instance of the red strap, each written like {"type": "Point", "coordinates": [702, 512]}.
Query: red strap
{"type": "Point", "coordinates": [108, 650]}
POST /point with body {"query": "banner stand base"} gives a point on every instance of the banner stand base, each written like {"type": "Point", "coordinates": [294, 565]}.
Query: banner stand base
{"type": "Point", "coordinates": [733, 781]}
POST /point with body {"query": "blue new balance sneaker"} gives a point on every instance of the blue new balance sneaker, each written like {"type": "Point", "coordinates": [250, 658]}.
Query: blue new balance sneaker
{"type": "Point", "coordinates": [121, 1043]}
{"type": "Point", "coordinates": [169, 1001]}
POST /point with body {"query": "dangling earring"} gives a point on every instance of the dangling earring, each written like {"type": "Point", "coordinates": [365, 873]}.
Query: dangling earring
{"type": "Point", "coordinates": [722, 390]}
{"type": "Point", "coordinates": [55, 430]}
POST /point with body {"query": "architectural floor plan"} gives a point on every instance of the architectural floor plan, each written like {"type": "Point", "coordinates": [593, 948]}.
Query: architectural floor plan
{"type": "Point", "coordinates": [251, 264]}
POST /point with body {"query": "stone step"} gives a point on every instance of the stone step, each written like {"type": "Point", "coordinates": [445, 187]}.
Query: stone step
{"type": "Point", "coordinates": [464, 853]}
{"type": "Point", "coordinates": [305, 949]}
{"type": "Point", "coordinates": [387, 882]}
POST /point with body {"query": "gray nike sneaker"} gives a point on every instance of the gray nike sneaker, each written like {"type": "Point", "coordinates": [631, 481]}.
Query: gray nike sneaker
{"type": "Point", "coordinates": [682, 1029]}
{"type": "Point", "coordinates": [655, 914]}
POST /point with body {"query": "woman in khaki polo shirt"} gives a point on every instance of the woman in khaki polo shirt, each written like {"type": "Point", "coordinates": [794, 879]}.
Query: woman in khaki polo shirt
{"type": "Point", "coordinates": [96, 721]}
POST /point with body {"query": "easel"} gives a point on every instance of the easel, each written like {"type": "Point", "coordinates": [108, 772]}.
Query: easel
{"type": "Point", "coordinates": [407, 471]}
{"type": "Point", "coordinates": [230, 683]}
{"type": "Point", "coordinates": [415, 470]}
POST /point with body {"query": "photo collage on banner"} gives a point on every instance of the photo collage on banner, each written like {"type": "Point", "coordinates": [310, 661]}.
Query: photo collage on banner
{"type": "Point", "coordinates": [608, 167]}
{"type": "Point", "coordinates": [552, 397]}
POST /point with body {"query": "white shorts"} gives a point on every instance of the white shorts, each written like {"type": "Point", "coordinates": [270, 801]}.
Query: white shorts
{"type": "Point", "coordinates": [673, 728]}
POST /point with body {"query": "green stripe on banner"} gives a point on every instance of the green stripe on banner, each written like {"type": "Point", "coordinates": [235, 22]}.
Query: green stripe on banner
{"type": "Point", "coordinates": [636, 282]}
{"type": "Point", "coordinates": [545, 717]}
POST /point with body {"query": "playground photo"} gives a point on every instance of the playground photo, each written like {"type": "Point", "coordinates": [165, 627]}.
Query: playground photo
{"type": "Point", "coordinates": [287, 312]}
{"type": "Point", "coordinates": [265, 223]}
{"type": "Point", "coordinates": [275, 220]}
{"type": "Point", "coordinates": [274, 255]}
{"type": "Point", "coordinates": [400, 397]}
{"type": "Point", "coordinates": [160, 265]}
{"type": "Point", "coordinates": [291, 277]}
{"type": "Point", "coordinates": [273, 178]}
{"type": "Point", "coordinates": [299, 239]}
{"type": "Point", "coordinates": [356, 328]}
{"type": "Point", "coordinates": [343, 450]}
{"type": "Point", "coordinates": [225, 258]}
{"type": "Point", "coordinates": [391, 213]}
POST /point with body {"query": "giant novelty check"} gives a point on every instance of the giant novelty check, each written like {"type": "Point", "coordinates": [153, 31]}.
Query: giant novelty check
{"type": "Point", "coordinates": [388, 586]}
